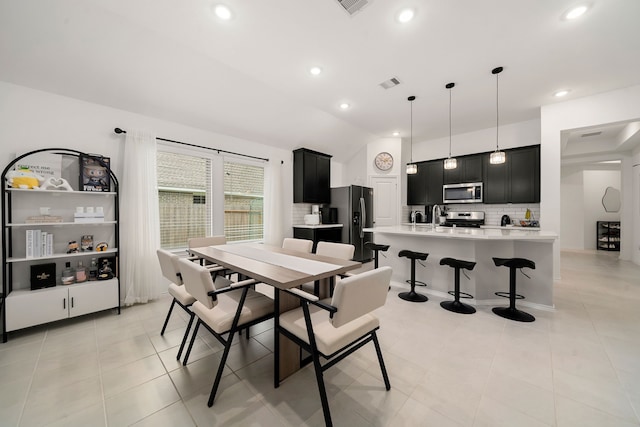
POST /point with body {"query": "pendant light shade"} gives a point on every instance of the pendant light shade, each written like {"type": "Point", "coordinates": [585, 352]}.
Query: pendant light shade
{"type": "Point", "coordinates": [412, 168]}
{"type": "Point", "coordinates": [497, 157]}
{"type": "Point", "coordinates": [450, 162]}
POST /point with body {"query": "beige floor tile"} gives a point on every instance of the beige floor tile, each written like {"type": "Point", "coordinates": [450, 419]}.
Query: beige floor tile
{"type": "Point", "coordinates": [609, 397]}
{"type": "Point", "coordinates": [124, 352]}
{"type": "Point", "coordinates": [137, 403]}
{"type": "Point", "coordinates": [124, 377]}
{"type": "Point", "coordinates": [571, 413]}
{"type": "Point", "coordinates": [22, 353]}
{"type": "Point", "coordinates": [13, 396]}
{"type": "Point", "coordinates": [520, 395]}
{"type": "Point", "coordinates": [57, 403]}
{"type": "Point", "coordinates": [492, 413]}
{"type": "Point", "coordinates": [197, 375]}
{"type": "Point", "coordinates": [200, 350]}
{"type": "Point", "coordinates": [93, 416]}
{"type": "Point", "coordinates": [171, 416]}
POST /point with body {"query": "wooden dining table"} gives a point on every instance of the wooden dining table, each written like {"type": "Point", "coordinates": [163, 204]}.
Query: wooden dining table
{"type": "Point", "coordinates": [282, 269]}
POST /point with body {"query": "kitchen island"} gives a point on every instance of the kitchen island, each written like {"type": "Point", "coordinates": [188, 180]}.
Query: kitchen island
{"type": "Point", "coordinates": [479, 245]}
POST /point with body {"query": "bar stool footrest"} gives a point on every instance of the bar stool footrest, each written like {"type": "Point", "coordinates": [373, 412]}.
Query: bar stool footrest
{"type": "Point", "coordinates": [461, 294]}
{"type": "Point", "coordinates": [417, 282]}
{"type": "Point", "coordinates": [508, 295]}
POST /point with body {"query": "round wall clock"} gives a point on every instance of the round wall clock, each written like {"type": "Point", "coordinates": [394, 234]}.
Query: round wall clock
{"type": "Point", "coordinates": [384, 161]}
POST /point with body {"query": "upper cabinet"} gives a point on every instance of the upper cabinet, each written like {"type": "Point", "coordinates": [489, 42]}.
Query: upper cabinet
{"type": "Point", "coordinates": [469, 170]}
{"type": "Point", "coordinates": [425, 187]}
{"type": "Point", "coordinates": [311, 176]}
{"type": "Point", "coordinates": [515, 181]}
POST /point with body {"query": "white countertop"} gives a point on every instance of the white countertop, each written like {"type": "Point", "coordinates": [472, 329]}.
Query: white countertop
{"type": "Point", "coordinates": [318, 226]}
{"type": "Point", "coordinates": [502, 233]}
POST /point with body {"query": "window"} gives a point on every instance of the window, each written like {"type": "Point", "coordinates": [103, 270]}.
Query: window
{"type": "Point", "coordinates": [243, 201]}
{"type": "Point", "coordinates": [202, 194]}
{"type": "Point", "coordinates": [184, 192]}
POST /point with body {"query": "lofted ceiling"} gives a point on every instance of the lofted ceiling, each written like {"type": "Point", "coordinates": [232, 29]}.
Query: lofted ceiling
{"type": "Point", "coordinates": [248, 77]}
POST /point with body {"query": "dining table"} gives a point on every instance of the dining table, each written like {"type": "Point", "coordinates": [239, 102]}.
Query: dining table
{"type": "Point", "coordinates": [282, 269]}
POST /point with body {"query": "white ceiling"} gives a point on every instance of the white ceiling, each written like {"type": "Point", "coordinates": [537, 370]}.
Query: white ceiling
{"type": "Point", "coordinates": [249, 78]}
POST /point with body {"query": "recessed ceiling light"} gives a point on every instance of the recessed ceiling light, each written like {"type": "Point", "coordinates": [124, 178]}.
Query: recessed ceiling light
{"type": "Point", "coordinates": [575, 12]}
{"type": "Point", "coordinates": [315, 70]}
{"type": "Point", "coordinates": [405, 15]}
{"type": "Point", "coordinates": [561, 93]}
{"type": "Point", "coordinates": [396, 134]}
{"type": "Point", "coordinates": [222, 12]}
{"type": "Point", "coordinates": [344, 106]}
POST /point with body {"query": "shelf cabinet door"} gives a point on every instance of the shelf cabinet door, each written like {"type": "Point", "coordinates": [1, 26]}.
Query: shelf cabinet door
{"type": "Point", "coordinates": [311, 177]}
{"type": "Point", "coordinates": [524, 165]}
{"type": "Point", "coordinates": [495, 182]}
{"type": "Point", "coordinates": [93, 296]}
{"type": "Point", "coordinates": [30, 308]}
{"type": "Point", "coordinates": [425, 187]}
{"type": "Point", "coordinates": [469, 169]}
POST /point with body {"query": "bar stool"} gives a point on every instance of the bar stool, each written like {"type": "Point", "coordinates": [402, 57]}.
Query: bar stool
{"type": "Point", "coordinates": [512, 312]}
{"type": "Point", "coordinates": [376, 248]}
{"type": "Point", "coordinates": [456, 306]}
{"type": "Point", "coordinates": [412, 295]}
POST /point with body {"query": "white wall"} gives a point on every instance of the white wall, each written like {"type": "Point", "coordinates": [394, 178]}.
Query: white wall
{"type": "Point", "coordinates": [514, 135]}
{"type": "Point", "coordinates": [610, 107]}
{"type": "Point", "coordinates": [31, 119]}
{"type": "Point", "coordinates": [595, 184]}
{"type": "Point", "coordinates": [572, 205]}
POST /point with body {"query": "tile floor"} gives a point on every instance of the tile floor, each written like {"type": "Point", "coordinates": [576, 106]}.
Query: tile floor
{"type": "Point", "coordinates": [577, 366]}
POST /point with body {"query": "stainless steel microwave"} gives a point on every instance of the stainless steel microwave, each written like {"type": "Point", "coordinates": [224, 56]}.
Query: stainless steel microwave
{"type": "Point", "coordinates": [462, 193]}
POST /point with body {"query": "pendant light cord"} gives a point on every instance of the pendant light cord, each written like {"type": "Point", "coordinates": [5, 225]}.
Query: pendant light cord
{"type": "Point", "coordinates": [497, 111]}
{"type": "Point", "coordinates": [449, 123]}
{"type": "Point", "coordinates": [411, 132]}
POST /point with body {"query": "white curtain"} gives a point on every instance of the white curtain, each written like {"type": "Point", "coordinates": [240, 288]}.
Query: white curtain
{"type": "Point", "coordinates": [273, 204]}
{"type": "Point", "coordinates": [140, 220]}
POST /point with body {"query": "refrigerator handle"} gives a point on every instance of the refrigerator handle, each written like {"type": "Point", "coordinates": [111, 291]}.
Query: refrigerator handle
{"type": "Point", "coordinates": [363, 221]}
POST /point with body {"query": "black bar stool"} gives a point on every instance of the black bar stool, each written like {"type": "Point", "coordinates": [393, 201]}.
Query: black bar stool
{"type": "Point", "coordinates": [456, 306]}
{"type": "Point", "coordinates": [512, 312]}
{"type": "Point", "coordinates": [412, 295]}
{"type": "Point", "coordinates": [376, 248]}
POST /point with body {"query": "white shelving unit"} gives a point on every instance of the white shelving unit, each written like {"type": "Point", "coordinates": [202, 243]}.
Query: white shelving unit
{"type": "Point", "coordinates": [23, 307]}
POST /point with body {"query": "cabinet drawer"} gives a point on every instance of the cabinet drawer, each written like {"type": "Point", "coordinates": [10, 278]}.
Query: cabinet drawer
{"type": "Point", "coordinates": [93, 296]}
{"type": "Point", "coordinates": [30, 308]}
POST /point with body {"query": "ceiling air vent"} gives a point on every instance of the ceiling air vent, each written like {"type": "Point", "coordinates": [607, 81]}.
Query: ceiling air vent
{"type": "Point", "coordinates": [586, 135]}
{"type": "Point", "coordinates": [352, 6]}
{"type": "Point", "coordinates": [388, 84]}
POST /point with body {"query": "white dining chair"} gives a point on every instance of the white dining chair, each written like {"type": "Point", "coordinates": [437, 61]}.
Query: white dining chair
{"type": "Point", "coordinates": [199, 242]}
{"type": "Point", "coordinates": [223, 307]}
{"type": "Point", "coordinates": [300, 245]}
{"type": "Point", "coordinates": [171, 271]}
{"type": "Point", "coordinates": [332, 249]}
{"type": "Point", "coordinates": [334, 331]}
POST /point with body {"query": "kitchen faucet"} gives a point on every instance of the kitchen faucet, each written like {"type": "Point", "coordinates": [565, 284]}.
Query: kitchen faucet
{"type": "Point", "coordinates": [433, 215]}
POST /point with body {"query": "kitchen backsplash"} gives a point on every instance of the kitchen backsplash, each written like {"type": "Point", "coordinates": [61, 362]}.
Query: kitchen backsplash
{"type": "Point", "coordinates": [298, 211]}
{"type": "Point", "coordinates": [492, 213]}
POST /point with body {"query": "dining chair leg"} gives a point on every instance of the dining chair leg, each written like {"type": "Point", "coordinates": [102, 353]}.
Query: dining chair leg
{"type": "Point", "coordinates": [193, 339]}
{"type": "Point", "coordinates": [276, 338]}
{"type": "Point", "coordinates": [227, 347]}
{"type": "Point", "coordinates": [317, 366]}
{"type": "Point", "coordinates": [186, 335]}
{"type": "Point", "coordinates": [382, 367]}
{"type": "Point", "coordinates": [166, 321]}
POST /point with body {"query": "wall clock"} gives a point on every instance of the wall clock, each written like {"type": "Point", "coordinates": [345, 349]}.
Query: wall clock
{"type": "Point", "coordinates": [384, 161]}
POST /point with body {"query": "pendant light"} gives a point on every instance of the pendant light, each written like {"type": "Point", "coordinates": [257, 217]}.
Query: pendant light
{"type": "Point", "coordinates": [497, 157]}
{"type": "Point", "coordinates": [412, 168]}
{"type": "Point", "coordinates": [450, 162]}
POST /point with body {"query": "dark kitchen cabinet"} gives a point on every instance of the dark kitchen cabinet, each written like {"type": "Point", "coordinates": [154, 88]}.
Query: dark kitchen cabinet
{"type": "Point", "coordinates": [311, 176]}
{"type": "Point", "coordinates": [515, 181]}
{"type": "Point", "coordinates": [495, 188]}
{"type": "Point", "coordinates": [469, 169]}
{"type": "Point", "coordinates": [319, 234]}
{"type": "Point", "coordinates": [425, 187]}
{"type": "Point", "coordinates": [524, 174]}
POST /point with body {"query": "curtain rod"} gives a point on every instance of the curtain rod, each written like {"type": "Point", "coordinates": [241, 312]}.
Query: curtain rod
{"type": "Point", "coordinates": [118, 130]}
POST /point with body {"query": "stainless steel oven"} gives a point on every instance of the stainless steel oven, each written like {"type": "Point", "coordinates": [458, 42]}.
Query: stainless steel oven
{"type": "Point", "coordinates": [462, 193]}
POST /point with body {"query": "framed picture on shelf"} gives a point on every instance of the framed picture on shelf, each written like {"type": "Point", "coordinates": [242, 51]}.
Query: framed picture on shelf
{"type": "Point", "coordinates": [94, 173]}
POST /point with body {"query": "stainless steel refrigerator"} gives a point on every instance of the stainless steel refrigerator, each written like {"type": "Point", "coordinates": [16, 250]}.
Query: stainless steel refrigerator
{"type": "Point", "coordinates": [355, 212]}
